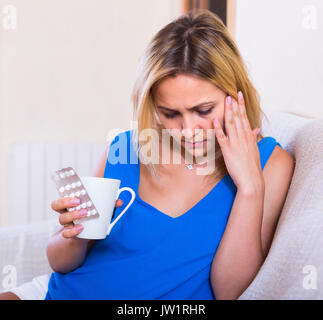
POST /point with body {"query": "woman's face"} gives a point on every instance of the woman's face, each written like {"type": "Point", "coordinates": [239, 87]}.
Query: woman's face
{"type": "Point", "coordinates": [190, 103]}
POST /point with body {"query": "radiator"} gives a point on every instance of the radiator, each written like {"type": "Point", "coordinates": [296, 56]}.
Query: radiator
{"type": "Point", "coordinates": [32, 165]}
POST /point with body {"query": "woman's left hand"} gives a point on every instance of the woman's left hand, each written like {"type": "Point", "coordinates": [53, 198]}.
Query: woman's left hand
{"type": "Point", "coordinates": [239, 147]}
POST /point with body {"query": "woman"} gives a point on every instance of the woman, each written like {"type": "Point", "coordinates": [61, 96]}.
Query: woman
{"type": "Point", "coordinates": [188, 235]}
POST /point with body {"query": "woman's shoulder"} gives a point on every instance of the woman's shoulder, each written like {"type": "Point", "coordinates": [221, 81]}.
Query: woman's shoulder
{"type": "Point", "coordinates": [281, 164]}
{"type": "Point", "coordinates": [278, 168]}
{"type": "Point", "coordinates": [279, 158]}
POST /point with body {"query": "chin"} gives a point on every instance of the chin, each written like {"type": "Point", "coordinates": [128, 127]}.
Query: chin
{"type": "Point", "coordinates": [196, 152]}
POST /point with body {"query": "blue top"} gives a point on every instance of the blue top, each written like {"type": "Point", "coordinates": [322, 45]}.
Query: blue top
{"type": "Point", "coordinates": [148, 254]}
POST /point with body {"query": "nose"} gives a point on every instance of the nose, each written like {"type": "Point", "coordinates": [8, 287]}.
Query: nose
{"type": "Point", "coordinates": [190, 129]}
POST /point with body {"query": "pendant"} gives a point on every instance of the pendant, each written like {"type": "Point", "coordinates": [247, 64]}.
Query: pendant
{"type": "Point", "coordinates": [190, 167]}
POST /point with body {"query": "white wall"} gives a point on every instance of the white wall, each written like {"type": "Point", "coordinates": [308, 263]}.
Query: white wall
{"type": "Point", "coordinates": [67, 71]}
{"type": "Point", "coordinates": [281, 40]}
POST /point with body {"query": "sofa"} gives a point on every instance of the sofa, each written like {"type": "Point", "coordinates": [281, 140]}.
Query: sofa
{"type": "Point", "coordinates": [293, 268]}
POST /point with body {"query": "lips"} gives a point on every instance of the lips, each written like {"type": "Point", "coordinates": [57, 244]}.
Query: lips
{"type": "Point", "coordinates": [195, 144]}
{"type": "Point", "coordinates": [195, 141]}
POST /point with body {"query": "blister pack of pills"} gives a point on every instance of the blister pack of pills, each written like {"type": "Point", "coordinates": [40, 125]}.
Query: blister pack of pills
{"type": "Point", "coordinates": [68, 184]}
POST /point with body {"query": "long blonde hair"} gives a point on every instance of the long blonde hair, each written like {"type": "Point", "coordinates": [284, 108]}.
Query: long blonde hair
{"type": "Point", "coordinates": [199, 44]}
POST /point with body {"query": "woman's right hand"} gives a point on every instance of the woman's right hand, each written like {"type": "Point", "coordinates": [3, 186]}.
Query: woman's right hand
{"type": "Point", "coordinates": [66, 218]}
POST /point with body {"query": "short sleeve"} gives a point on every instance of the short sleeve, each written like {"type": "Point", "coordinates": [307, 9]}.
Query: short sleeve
{"type": "Point", "coordinates": [266, 148]}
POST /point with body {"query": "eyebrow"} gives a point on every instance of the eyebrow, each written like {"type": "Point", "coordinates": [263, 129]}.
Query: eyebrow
{"type": "Point", "coordinates": [199, 105]}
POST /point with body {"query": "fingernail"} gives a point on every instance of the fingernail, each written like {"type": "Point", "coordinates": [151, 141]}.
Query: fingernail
{"type": "Point", "coordinates": [82, 213]}
{"type": "Point", "coordinates": [258, 131]}
{"type": "Point", "coordinates": [216, 120]}
{"type": "Point", "coordinates": [229, 99]}
{"type": "Point", "coordinates": [75, 201]}
{"type": "Point", "coordinates": [240, 95]}
{"type": "Point", "coordinates": [79, 227]}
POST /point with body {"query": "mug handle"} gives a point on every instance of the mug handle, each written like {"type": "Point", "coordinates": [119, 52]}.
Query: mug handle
{"type": "Point", "coordinates": [133, 195]}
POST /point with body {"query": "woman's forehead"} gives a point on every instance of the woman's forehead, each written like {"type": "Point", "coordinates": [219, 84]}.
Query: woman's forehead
{"type": "Point", "coordinates": [172, 93]}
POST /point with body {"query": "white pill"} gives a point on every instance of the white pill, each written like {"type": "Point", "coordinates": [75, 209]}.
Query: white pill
{"type": "Point", "coordinates": [78, 207]}
{"type": "Point", "coordinates": [89, 203]}
{"type": "Point", "coordinates": [71, 209]}
{"type": "Point", "coordinates": [83, 205]}
{"type": "Point", "coordinates": [78, 183]}
{"type": "Point", "coordinates": [72, 195]}
{"type": "Point", "coordinates": [68, 187]}
{"type": "Point", "coordinates": [93, 212]}
{"type": "Point", "coordinates": [61, 189]}
{"type": "Point", "coordinates": [83, 192]}
{"type": "Point", "coordinates": [66, 196]}
{"type": "Point", "coordinates": [72, 172]}
{"type": "Point", "coordinates": [77, 193]}
{"type": "Point", "coordinates": [56, 177]}
{"type": "Point", "coordinates": [73, 185]}
{"type": "Point", "coordinates": [66, 173]}
{"type": "Point", "coordinates": [62, 175]}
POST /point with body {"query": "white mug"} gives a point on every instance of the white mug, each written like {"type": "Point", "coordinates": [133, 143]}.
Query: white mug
{"type": "Point", "coordinates": [104, 193]}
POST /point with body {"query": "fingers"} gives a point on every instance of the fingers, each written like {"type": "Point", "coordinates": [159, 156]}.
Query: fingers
{"type": "Point", "coordinates": [72, 230]}
{"type": "Point", "coordinates": [256, 131]}
{"type": "Point", "coordinates": [60, 205]}
{"type": "Point", "coordinates": [119, 203]}
{"type": "Point", "coordinates": [69, 217]}
{"type": "Point", "coordinates": [236, 122]}
{"type": "Point", "coordinates": [65, 217]}
{"type": "Point", "coordinates": [220, 136]}
{"type": "Point", "coordinates": [230, 118]}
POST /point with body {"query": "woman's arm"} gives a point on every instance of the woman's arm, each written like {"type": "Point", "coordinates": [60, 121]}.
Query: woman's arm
{"type": "Point", "coordinates": [250, 229]}
{"type": "Point", "coordinates": [8, 296]}
{"type": "Point", "coordinates": [240, 254]}
{"type": "Point", "coordinates": [65, 255]}
{"type": "Point", "coordinates": [278, 174]}
{"type": "Point", "coordinates": [245, 243]}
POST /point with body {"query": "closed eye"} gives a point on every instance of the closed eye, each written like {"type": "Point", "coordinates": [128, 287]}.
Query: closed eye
{"type": "Point", "coordinates": [204, 112]}
{"type": "Point", "coordinates": [170, 115]}
{"type": "Point", "coordinates": [200, 112]}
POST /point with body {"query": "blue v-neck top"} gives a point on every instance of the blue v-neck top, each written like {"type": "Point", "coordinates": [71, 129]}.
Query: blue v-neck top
{"type": "Point", "coordinates": [148, 254]}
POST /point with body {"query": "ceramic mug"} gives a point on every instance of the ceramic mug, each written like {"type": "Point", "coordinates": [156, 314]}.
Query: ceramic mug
{"type": "Point", "coordinates": [104, 193]}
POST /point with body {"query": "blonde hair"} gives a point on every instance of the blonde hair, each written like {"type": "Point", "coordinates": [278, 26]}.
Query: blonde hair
{"type": "Point", "coordinates": [199, 44]}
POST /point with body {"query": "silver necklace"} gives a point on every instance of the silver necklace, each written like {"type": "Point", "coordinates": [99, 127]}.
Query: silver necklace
{"type": "Point", "coordinates": [192, 166]}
